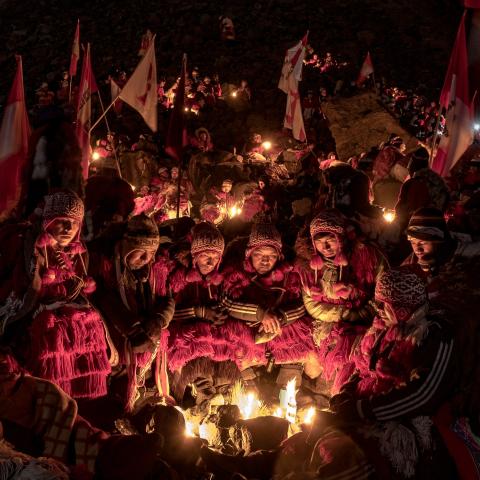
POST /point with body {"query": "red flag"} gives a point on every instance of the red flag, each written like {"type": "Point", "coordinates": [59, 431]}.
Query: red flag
{"type": "Point", "coordinates": [88, 85]}
{"type": "Point", "coordinates": [14, 136]}
{"type": "Point", "coordinates": [288, 83]}
{"type": "Point", "coordinates": [472, 3]}
{"type": "Point", "coordinates": [177, 133]}
{"type": "Point", "coordinates": [455, 98]}
{"type": "Point", "coordinates": [366, 70]}
{"type": "Point", "coordinates": [140, 92]}
{"type": "Point", "coordinates": [75, 51]}
{"type": "Point", "coordinates": [293, 63]}
{"type": "Point", "coordinates": [115, 92]}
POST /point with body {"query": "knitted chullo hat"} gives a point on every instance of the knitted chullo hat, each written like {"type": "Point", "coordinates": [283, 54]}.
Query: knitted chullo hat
{"type": "Point", "coordinates": [206, 238]}
{"type": "Point", "coordinates": [428, 224]}
{"type": "Point", "coordinates": [141, 232]}
{"type": "Point", "coordinates": [62, 204]}
{"type": "Point", "coordinates": [333, 222]}
{"type": "Point", "coordinates": [264, 234]}
{"type": "Point", "coordinates": [403, 289]}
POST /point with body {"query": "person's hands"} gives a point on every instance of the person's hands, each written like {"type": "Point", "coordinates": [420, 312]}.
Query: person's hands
{"type": "Point", "coordinates": [214, 315]}
{"type": "Point", "coordinates": [270, 323]}
{"type": "Point", "coordinates": [361, 315]}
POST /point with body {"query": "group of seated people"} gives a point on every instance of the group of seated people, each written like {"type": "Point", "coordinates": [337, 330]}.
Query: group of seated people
{"type": "Point", "coordinates": [139, 312]}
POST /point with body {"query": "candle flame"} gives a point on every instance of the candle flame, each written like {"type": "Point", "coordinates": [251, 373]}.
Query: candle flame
{"type": "Point", "coordinates": [288, 401]}
{"type": "Point", "coordinates": [309, 416]}
{"type": "Point", "coordinates": [278, 413]}
{"type": "Point", "coordinates": [389, 216]}
{"type": "Point", "coordinates": [189, 429]}
{"type": "Point", "coordinates": [234, 211]}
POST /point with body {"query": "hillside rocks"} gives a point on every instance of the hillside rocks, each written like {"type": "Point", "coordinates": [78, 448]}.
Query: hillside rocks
{"type": "Point", "coordinates": [359, 122]}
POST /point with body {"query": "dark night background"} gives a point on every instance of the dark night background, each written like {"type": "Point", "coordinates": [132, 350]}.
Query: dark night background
{"type": "Point", "coordinates": [410, 41]}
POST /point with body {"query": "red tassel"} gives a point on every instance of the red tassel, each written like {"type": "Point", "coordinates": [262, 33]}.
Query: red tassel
{"type": "Point", "coordinates": [216, 278]}
{"type": "Point", "coordinates": [277, 275]}
{"type": "Point", "coordinates": [45, 240]}
{"type": "Point", "coordinates": [341, 259]}
{"type": "Point", "coordinates": [76, 247]}
{"type": "Point", "coordinates": [316, 263]}
{"type": "Point", "coordinates": [49, 276]}
{"type": "Point", "coordinates": [193, 276]}
{"type": "Point", "coordinates": [90, 285]}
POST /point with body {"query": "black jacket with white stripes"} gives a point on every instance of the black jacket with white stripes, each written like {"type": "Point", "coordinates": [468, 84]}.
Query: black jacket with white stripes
{"type": "Point", "coordinates": [432, 381]}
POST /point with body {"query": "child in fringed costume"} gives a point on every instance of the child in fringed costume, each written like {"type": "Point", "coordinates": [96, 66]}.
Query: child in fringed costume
{"type": "Point", "coordinates": [44, 289]}
{"type": "Point", "coordinates": [136, 318]}
{"type": "Point", "coordinates": [338, 286]}
{"type": "Point", "coordinates": [198, 326]}
{"type": "Point", "coordinates": [264, 292]}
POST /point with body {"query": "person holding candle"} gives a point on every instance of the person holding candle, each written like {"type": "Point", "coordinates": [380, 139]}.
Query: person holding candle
{"type": "Point", "coordinates": [338, 286]}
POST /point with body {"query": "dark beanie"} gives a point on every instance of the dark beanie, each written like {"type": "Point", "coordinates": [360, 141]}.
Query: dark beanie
{"type": "Point", "coordinates": [418, 159]}
{"type": "Point", "coordinates": [428, 224]}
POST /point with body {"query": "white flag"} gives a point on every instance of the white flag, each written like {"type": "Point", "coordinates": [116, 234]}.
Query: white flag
{"type": "Point", "coordinates": [292, 64]}
{"type": "Point", "coordinates": [140, 92]}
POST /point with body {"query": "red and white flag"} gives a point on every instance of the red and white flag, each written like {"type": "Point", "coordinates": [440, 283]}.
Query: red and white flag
{"type": "Point", "coordinates": [87, 87]}
{"type": "Point", "coordinates": [14, 136]}
{"type": "Point", "coordinates": [455, 98]}
{"type": "Point", "coordinates": [140, 92]}
{"type": "Point", "coordinates": [115, 92]}
{"type": "Point", "coordinates": [293, 63]}
{"type": "Point", "coordinates": [293, 115]}
{"type": "Point", "coordinates": [288, 83]}
{"type": "Point", "coordinates": [75, 52]}
{"type": "Point", "coordinates": [177, 133]}
{"type": "Point", "coordinates": [366, 70]}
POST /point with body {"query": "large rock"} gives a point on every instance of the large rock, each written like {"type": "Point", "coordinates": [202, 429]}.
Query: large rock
{"type": "Point", "coordinates": [360, 122]}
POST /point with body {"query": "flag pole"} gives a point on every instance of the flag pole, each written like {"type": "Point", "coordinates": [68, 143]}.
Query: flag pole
{"type": "Point", "coordinates": [109, 132]}
{"type": "Point", "coordinates": [70, 89]}
{"type": "Point", "coordinates": [374, 83]}
{"type": "Point", "coordinates": [103, 114]}
{"type": "Point", "coordinates": [435, 137]}
{"type": "Point", "coordinates": [180, 172]}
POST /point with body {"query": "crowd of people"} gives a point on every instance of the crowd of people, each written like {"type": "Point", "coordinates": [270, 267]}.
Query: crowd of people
{"type": "Point", "coordinates": [157, 287]}
{"type": "Point", "coordinates": [414, 112]}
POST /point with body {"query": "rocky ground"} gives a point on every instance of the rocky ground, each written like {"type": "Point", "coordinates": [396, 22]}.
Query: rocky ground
{"type": "Point", "coordinates": [410, 41]}
{"type": "Point", "coordinates": [357, 123]}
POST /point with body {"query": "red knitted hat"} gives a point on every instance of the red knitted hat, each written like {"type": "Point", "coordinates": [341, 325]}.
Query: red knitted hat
{"type": "Point", "coordinates": [264, 234]}
{"type": "Point", "coordinates": [333, 222]}
{"type": "Point", "coordinates": [64, 203]}
{"type": "Point", "coordinates": [206, 238]}
{"type": "Point", "coordinates": [403, 289]}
